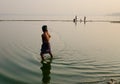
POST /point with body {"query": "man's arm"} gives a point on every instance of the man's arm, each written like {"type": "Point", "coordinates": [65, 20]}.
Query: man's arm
{"type": "Point", "coordinates": [48, 34]}
{"type": "Point", "coordinates": [47, 37]}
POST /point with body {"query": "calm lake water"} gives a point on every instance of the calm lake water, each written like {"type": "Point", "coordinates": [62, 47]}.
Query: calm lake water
{"type": "Point", "coordinates": [83, 53]}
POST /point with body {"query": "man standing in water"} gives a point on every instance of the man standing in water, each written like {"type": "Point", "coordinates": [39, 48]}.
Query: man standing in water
{"type": "Point", "coordinates": [45, 48]}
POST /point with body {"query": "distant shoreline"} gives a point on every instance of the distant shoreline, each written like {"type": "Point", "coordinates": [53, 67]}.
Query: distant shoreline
{"type": "Point", "coordinates": [68, 20]}
{"type": "Point", "coordinates": [38, 20]}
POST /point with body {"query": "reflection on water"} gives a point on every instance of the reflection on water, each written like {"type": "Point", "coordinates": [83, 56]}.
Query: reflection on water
{"type": "Point", "coordinates": [84, 22]}
{"type": "Point", "coordinates": [46, 67]}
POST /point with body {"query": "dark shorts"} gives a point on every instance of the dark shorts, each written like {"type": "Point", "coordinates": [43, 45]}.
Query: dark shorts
{"type": "Point", "coordinates": [45, 48]}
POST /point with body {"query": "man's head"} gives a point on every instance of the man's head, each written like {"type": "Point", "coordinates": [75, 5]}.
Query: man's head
{"type": "Point", "coordinates": [44, 28]}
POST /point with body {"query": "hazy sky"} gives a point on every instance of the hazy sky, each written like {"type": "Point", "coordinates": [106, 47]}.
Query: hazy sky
{"type": "Point", "coordinates": [59, 7]}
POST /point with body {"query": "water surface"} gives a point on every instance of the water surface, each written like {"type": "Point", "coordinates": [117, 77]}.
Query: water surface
{"type": "Point", "coordinates": [83, 53]}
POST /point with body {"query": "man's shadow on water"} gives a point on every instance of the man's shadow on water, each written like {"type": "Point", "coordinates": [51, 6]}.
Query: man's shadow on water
{"type": "Point", "coordinates": [46, 67]}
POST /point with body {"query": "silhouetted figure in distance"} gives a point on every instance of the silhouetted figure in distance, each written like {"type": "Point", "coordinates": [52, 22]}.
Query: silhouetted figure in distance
{"type": "Point", "coordinates": [84, 19]}
{"type": "Point", "coordinates": [75, 19]}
